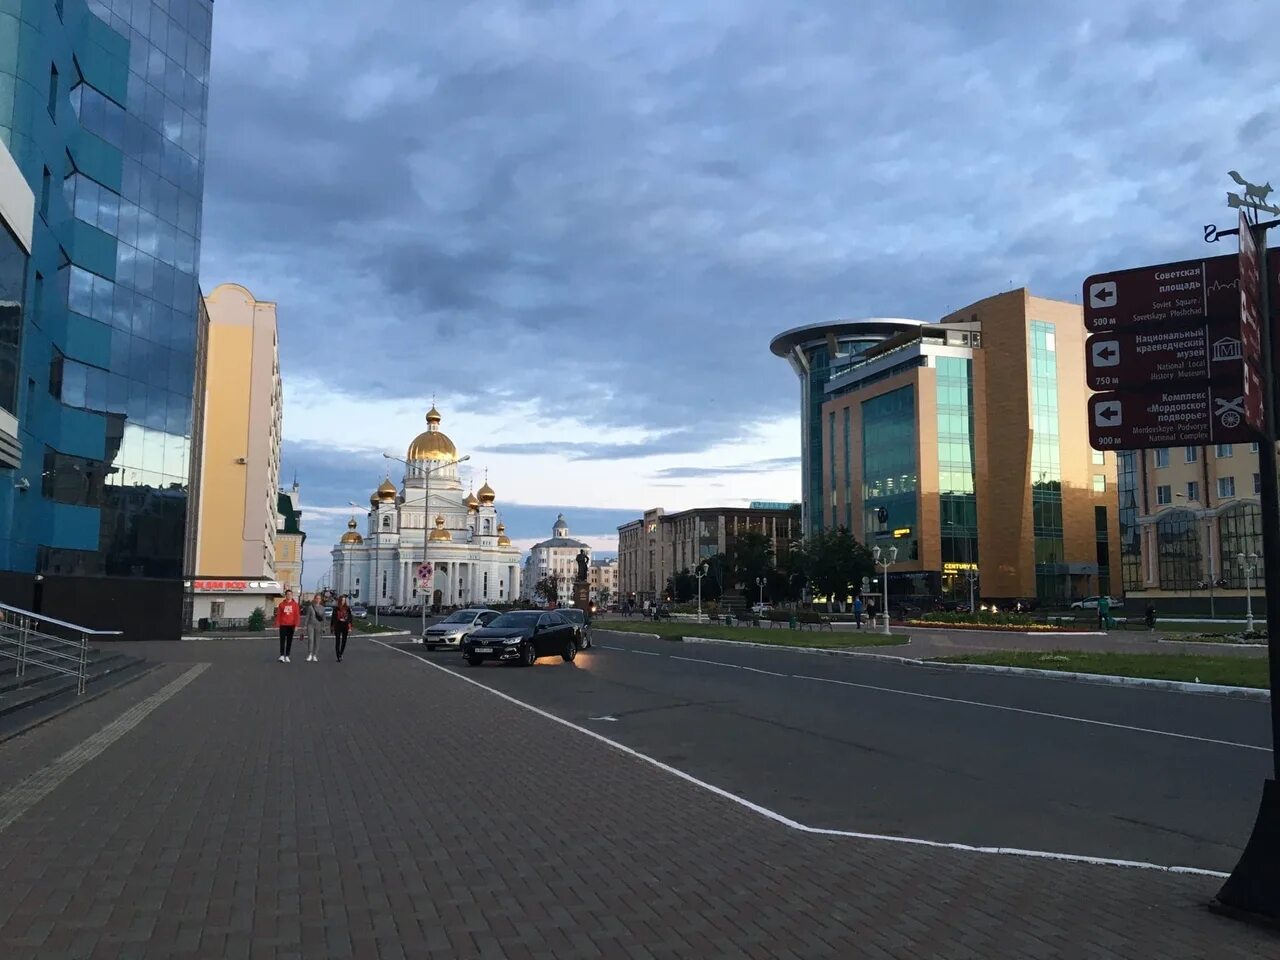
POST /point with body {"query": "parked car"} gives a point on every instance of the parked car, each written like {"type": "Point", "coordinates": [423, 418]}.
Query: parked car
{"type": "Point", "coordinates": [359, 612]}
{"type": "Point", "coordinates": [1091, 603]}
{"type": "Point", "coordinates": [522, 636]}
{"type": "Point", "coordinates": [579, 619]}
{"type": "Point", "coordinates": [453, 629]}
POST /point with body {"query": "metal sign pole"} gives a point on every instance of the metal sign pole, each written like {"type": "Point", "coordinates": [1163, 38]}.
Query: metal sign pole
{"type": "Point", "coordinates": [1253, 889]}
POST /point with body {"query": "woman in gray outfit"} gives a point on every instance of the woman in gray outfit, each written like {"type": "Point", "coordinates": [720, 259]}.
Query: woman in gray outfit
{"type": "Point", "coordinates": [313, 625]}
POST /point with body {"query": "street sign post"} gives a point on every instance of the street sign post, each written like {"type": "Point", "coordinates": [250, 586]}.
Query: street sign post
{"type": "Point", "coordinates": [424, 574]}
{"type": "Point", "coordinates": [1180, 360]}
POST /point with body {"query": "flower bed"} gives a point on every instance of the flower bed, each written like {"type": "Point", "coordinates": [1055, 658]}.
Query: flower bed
{"type": "Point", "coordinates": [991, 627]}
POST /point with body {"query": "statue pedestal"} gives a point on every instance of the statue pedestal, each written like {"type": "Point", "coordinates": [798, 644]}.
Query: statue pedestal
{"type": "Point", "coordinates": [581, 594]}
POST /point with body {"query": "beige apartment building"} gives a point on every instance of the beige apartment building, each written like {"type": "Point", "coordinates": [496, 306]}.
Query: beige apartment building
{"type": "Point", "coordinates": [604, 580]}
{"type": "Point", "coordinates": [659, 545]}
{"type": "Point", "coordinates": [239, 457]}
{"type": "Point", "coordinates": [1187, 515]}
{"type": "Point", "coordinates": [290, 539]}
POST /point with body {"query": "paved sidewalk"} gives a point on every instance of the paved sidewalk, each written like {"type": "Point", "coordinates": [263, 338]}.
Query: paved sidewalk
{"type": "Point", "coordinates": [382, 808]}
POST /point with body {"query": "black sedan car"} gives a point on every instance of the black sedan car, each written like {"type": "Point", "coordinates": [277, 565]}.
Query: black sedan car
{"type": "Point", "coordinates": [522, 636]}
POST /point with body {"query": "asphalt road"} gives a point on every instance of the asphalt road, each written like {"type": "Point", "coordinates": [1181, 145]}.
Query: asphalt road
{"type": "Point", "coordinates": [876, 747]}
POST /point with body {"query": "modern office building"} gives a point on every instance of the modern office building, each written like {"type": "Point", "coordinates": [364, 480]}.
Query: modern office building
{"type": "Point", "coordinates": [17, 211]}
{"type": "Point", "coordinates": [964, 444]}
{"type": "Point", "coordinates": [290, 539]}
{"type": "Point", "coordinates": [240, 455]}
{"type": "Point", "coordinates": [1191, 528]}
{"type": "Point", "coordinates": [659, 545]}
{"type": "Point", "coordinates": [817, 353]}
{"type": "Point", "coordinates": [102, 106]}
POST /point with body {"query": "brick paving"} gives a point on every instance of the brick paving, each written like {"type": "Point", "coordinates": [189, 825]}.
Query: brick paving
{"type": "Point", "coordinates": [380, 808]}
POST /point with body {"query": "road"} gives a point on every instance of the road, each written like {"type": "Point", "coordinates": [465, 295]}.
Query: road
{"type": "Point", "coordinates": [882, 748]}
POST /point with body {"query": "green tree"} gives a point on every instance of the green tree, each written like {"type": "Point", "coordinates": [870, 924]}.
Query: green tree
{"type": "Point", "coordinates": [546, 589]}
{"type": "Point", "coordinates": [603, 597]}
{"type": "Point", "coordinates": [752, 557]}
{"type": "Point", "coordinates": [835, 563]}
{"type": "Point", "coordinates": [257, 619]}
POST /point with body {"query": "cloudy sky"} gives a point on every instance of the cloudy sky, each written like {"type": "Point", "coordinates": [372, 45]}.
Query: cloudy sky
{"type": "Point", "coordinates": [578, 223]}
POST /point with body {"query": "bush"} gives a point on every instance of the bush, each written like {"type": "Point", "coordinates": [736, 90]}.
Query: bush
{"type": "Point", "coordinates": [982, 617]}
{"type": "Point", "coordinates": [258, 619]}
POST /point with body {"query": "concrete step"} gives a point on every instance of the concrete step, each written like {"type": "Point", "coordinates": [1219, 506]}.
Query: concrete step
{"type": "Point", "coordinates": [41, 684]}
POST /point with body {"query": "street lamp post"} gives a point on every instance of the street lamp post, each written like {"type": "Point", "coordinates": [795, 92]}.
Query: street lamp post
{"type": "Point", "coordinates": [426, 514]}
{"type": "Point", "coordinates": [1250, 564]}
{"type": "Point", "coordinates": [700, 571]}
{"type": "Point", "coordinates": [972, 576]}
{"type": "Point", "coordinates": [885, 558]}
{"type": "Point", "coordinates": [760, 582]}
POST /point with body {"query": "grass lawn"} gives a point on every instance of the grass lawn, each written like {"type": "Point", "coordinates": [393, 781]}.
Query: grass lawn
{"type": "Point", "coordinates": [1230, 671]}
{"type": "Point", "coordinates": [368, 626]}
{"type": "Point", "coordinates": [779, 636]}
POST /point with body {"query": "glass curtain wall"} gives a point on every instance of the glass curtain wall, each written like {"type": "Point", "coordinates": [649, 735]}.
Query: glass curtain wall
{"type": "Point", "coordinates": [1046, 466]}
{"type": "Point", "coordinates": [958, 506]}
{"type": "Point", "coordinates": [1130, 534]}
{"type": "Point", "coordinates": [890, 471]}
{"type": "Point", "coordinates": [150, 304]}
{"type": "Point", "coordinates": [1240, 529]}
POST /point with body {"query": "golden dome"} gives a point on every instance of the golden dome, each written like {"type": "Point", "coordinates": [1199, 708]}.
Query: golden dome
{"type": "Point", "coordinates": [351, 536]}
{"type": "Point", "coordinates": [503, 539]}
{"type": "Point", "coordinates": [432, 445]}
{"type": "Point", "coordinates": [472, 503]}
{"type": "Point", "coordinates": [387, 491]}
{"type": "Point", "coordinates": [440, 533]}
{"type": "Point", "coordinates": [487, 494]}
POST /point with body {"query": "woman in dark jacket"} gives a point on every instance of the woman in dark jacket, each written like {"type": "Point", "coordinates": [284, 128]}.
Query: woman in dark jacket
{"type": "Point", "coordinates": [341, 626]}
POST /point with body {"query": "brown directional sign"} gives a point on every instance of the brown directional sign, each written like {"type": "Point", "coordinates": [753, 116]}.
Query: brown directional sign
{"type": "Point", "coordinates": [1175, 351]}
{"type": "Point", "coordinates": [1187, 415]}
{"type": "Point", "coordinates": [1184, 329]}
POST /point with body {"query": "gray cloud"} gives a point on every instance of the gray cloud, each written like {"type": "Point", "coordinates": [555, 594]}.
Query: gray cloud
{"type": "Point", "coordinates": [616, 206]}
{"type": "Point", "coordinates": [760, 466]}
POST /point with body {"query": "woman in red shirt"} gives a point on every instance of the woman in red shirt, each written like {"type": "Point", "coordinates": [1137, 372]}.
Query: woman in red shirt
{"type": "Point", "coordinates": [287, 616]}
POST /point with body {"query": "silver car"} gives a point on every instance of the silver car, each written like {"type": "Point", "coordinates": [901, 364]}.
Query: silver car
{"type": "Point", "coordinates": [453, 629]}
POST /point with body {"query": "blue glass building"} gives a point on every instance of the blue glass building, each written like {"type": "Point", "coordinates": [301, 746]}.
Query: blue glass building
{"type": "Point", "coordinates": [103, 107]}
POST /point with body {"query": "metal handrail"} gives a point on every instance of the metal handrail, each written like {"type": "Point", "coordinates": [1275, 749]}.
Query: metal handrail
{"type": "Point", "coordinates": [61, 623]}
{"type": "Point", "coordinates": [26, 625]}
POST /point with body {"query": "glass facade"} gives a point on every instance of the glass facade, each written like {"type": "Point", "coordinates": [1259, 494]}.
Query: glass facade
{"type": "Point", "coordinates": [1130, 534]}
{"type": "Point", "coordinates": [1240, 529]}
{"type": "Point", "coordinates": [1181, 564]}
{"type": "Point", "coordinates": [113, 342]}
{"type": "Point", "coordinates": [889, 470]}
{"type": "Point", "coordinates": [13, 281]}
{"type": "Point", "coordinates": [1046, 466]}
{"type": "Point", "coordinates": [958, 507]}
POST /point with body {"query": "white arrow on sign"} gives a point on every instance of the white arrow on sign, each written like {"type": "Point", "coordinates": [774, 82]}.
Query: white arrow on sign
{"type": "Point", "coordinates": [1105, 353]}
{"type": "Point", "coordinates": [1102, 294]}
{"type": "Point", "coordinates": [1108, 414]}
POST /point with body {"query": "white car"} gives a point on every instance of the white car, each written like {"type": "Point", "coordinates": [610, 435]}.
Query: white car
{"type": "Point", "coordinates": [760, 609]}
{"type": "Point", "coordinates": [456, 627]}
{"type": "Point", "coordinates": [1091, 603]}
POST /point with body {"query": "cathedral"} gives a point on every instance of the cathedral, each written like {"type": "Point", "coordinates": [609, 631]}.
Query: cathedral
{"type": "Point", "coordinates": [469, 557]}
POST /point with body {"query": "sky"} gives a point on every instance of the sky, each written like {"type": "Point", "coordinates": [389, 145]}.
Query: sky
{"type": "Point", "coordinates": [577, 224]}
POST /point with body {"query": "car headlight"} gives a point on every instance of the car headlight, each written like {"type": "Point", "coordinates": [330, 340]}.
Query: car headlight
{"type": "Point", "coordinates": [511, 641]}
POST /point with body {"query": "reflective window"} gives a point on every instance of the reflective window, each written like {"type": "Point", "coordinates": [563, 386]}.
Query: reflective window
{"type": "Point", "coordinates": [1164, 494]}
{"type": "Point", "coordinates": [1193, 491]}
{"type": "Point", "coordinates": [13, 276]}
{"type": "Point", "coordinates": [74, 480]}
{"type": "Point", "coordinates": [1191, 454]}
{"type": "Point", "coordinates": [1099, 483]}
{"type": "Point", "coordinates": [1160, 456]}
{"type": "Point", "coordinates": [1224, 450]}
{"type": "Point", "coordinates": [1046, 467]}
{"type": "Point", "coordinates": [1226, 487]}
{"type": "Point", "coordinates": [889, 470]}
{"type": "Point", "coordinates": [1130, 535]}
{"type": "Point", "coordinates": [1180, 562]}
{"type": "Point", "coordinates": [1240, 530]}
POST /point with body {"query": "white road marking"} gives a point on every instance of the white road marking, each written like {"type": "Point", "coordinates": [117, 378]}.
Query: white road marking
{"type": "Point", "coordinates": [643, 653]}
{"type": "Point", "coordinates": [795, 824]}
{"type": "Point", "coordinates": [1035, 713]}
{"type": "Point", "coordinates": [608, 719]}
{"type": "Point", "coordinates": [17, 800]}
{"type": "Point", "coordinates": [979, 703]}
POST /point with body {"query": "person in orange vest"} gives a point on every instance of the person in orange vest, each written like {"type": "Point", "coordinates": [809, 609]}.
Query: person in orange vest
{"type": "Point", "coordinates": [287, 616]}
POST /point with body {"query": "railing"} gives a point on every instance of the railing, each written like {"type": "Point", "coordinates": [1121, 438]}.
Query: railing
{"type": "Point", "coordinates": [25, 637]}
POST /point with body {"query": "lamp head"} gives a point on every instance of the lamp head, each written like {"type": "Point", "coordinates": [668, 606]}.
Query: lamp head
{"type": "Point", "coordinates": [875, 554]}
{"type": "Point", "coordinates": [893, 554]}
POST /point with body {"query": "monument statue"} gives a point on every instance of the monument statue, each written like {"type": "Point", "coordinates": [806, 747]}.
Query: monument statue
{"type": "Point", "coordinates": [583, 561]}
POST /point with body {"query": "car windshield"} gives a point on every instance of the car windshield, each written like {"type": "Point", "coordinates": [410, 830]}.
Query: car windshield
{"type": "Point", "coordinates": [574, 616]}
{"type": "Point", "coordinates": [525, 618]}
{"type": "Point", "coordinates": [460, 616]}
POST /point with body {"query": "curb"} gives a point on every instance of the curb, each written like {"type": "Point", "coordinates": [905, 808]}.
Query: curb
{"type": "Point", "coordinates": [272, 637]}
{"type": "Point", "coordinates": [829, 651]}
{"type": "Point", "coordinates": [1174, 686]}
{"type": "Point", "coordinates": [1217, 644]}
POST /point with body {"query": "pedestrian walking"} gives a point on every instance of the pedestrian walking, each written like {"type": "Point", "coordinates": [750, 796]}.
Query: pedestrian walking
{"type": "Point", "coordinates": [857, 611]}
{"type": "Point", "coordinates": [341, 627]}
{"type": "Point", "coordinates": [287, 616]}
{"type": "Point", "coordinates": [1151, 616]}
{"type": "Point", "coordinates": [312, 625]}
